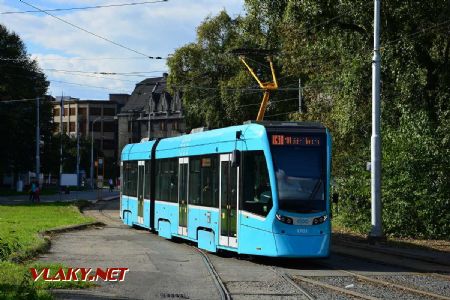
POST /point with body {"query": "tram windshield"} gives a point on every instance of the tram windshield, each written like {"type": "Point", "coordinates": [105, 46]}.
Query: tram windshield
{"type": "Point", "coordinates": [300, 178]}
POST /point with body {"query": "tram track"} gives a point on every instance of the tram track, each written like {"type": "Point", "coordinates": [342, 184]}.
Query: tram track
{"type": "Point", "coordinates": [221, 288]}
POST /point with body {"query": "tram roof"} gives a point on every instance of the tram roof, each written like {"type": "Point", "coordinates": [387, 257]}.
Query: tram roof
{"type": "Point", "coordinates": [250, 130]}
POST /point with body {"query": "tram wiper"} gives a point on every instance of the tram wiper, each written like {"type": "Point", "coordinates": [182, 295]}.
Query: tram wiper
{"type": "Point", "coordinates": [315, 189]}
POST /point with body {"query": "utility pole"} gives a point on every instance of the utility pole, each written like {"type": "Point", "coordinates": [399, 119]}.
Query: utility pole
{"type": "Point", "coordinates": [38, 142]}
{"type": "Point", "coordinates": [375, 165]}
{"type": "Point", "coordinates": [78, 149]}
{"type": "Point", "coordinates": [300, 94]}
{"type": "Point", "coordinates": [61, 127]}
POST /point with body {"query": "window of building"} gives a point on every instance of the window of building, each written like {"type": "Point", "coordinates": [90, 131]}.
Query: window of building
{"type": "Point", "coordinates": [166, 185]}
{"type": "Point", "coordinates": [97, 126]}
{"type": "Point", "coordinates": [83, 128]}
{"type": "Point", "coordinates": [98, 143]}
{"type": "Point", "coordinates": [64, 127]}
{"type": "Point", "coordinates": [109, 111]}
{"type": "Point", "coordinates": [109, 126]}
{"type": "Point", "coordinates": [56, 112]}
{"type": "Point", "coordinates": [257, 193]}
{"type": "Point", "coordinates": [66, 111]}
{"type": "Point", "coordinates": [204, 181]}
{"type": "Point", "coordinates": [72, 111]}
{"type": "Point", "coordinates": [72, 127]}
{"type": "Point", "coordinates": [95, 111]}
{"type": "Point", "coordinates": [82, 111]}
{"type": "Point", "coordinates": [109, 145]}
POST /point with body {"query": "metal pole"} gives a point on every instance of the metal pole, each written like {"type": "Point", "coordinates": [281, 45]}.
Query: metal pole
{"type": "Point", "coordinates": [78, 149]}
{"type": "Point", "coordinates": [377, 230]}
{"type": "Point", "coordinates": [92, 154]}
{"type": "Point", "coordinates": [38, 142]}
{"type": "Point", "coordinates": [300, 95]}
{"type": "Point", "coordinates": [61, 126]}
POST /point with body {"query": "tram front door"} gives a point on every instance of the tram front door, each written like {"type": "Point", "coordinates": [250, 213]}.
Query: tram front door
{"type": "Point", "coordinates": [182, 195]}
{"type": "Point", "coordinates": [140, 192]}
{"type": "Point", "coordinates": [228, 202]}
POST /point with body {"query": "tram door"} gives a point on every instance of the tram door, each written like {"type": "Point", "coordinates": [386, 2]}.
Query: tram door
{"type": "Point", "coordinates": [140, 193]}
{"type": "Point", "coordinates": [228, 202]}
{"type": "Point", "coordinates": [183, 164]}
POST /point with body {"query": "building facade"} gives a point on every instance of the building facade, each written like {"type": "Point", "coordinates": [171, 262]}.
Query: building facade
{"type": "Point", "coordinates": [151, 112]}
{"type": "Point", "coordinates": [94, 117]}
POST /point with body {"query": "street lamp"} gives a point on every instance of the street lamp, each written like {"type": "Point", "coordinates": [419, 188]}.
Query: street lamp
{"type": "Point", "coordinates": [92, 146]}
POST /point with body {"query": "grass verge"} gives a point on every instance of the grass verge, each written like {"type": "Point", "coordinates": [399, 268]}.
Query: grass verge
{"type": "Point", "coordinates": [20, 241]}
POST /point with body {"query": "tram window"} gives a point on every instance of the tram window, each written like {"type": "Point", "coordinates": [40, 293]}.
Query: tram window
{"type": "Point", "coordinates": [194, 180]}
{"type": "Point", "coordinates": [172, 180]}
{"type": "Point", "coordinates": [204, 181]}
{"type": "Point", "coordinates": [131, 180]}
{"type": "Point", "coordinates": [147, 180]}
{"type": "Point", "coordinates": [158, 179]}
{"type": "Point", "coordinates": [124, 178]}
{"type": "Point", "coordinates": [209, 181]}
{"type": "Point", "coordinates": [166, 187]}
{"type": "Point", "coordinates": [257, 194]}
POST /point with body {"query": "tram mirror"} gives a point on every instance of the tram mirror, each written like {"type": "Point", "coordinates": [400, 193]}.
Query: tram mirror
{"type": "Point", "coordinates": [335, 198]}
{"type": "Point", "coordinates": [236, 158]}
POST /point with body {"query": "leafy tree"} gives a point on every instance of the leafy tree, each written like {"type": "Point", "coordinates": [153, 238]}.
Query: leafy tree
{"type": "Point", "coordinates": [328, 45]}
{"type": "Point", "coordinates": [20, 78]}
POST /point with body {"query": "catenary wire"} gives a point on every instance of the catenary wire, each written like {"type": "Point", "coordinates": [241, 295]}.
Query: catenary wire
{"type": "Point", "coordinates": [81, 8]}
{"type": "Point", "coordinates": [91, 33]}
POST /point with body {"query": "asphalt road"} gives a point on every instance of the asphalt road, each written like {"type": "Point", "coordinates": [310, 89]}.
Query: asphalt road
{"type": "Point", "coordinates": [162, 269]}
{"type": "Point", "coordinates": [158, 268]}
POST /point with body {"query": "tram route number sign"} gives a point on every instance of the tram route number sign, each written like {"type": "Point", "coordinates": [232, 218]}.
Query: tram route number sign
{"type": "Point", "coordinates": [295, 140]}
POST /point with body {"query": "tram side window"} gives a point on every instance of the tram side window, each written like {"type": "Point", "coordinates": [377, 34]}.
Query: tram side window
{"type": "Point", "coordinates": [257, 194]}
{"type": "Point", "coordinates": [124, 172]}
{"type": "Point", "coordinates": [131, 178]}
{"type": "Point", "coordinates": [209, 181]}
{"type": "Point", "coordinates": [194, 180]}
{"type": "Point", "coordinates": [147, 180]}
{"type": "Point", "coordinates": [167, 180]}
{"type": "Point", "coordinates": [204, 181]}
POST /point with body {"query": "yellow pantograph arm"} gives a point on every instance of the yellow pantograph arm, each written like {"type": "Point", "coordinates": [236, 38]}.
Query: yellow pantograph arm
{"type": "Point", "coordinates": [273, 74]}
{"type": "Point", "coordinates": [251, 72]}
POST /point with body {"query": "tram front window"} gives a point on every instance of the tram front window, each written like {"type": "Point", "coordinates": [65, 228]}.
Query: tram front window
{"type": "Point", "coordinates": [300, 178]}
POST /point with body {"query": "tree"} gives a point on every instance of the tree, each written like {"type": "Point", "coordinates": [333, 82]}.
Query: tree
{"type": "Point", "coordinates": [328, 45]}
{"type": "Point", "coordinates": [20, 78]}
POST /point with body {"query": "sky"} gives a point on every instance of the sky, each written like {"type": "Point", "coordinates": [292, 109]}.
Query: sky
{"type": "Point", "coordinates": [72, 58]}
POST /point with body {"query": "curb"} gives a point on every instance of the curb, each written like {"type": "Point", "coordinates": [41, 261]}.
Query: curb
{"type": "Point", "coordinates": [71, 228]}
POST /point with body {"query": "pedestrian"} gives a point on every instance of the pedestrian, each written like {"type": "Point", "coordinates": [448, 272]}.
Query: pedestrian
{"type": "Point", "coordinates": [111, 184]}
{"type": "Point", "coordinates": [36, 194]}
{"type": "Point", "coordinates": [32, 191]}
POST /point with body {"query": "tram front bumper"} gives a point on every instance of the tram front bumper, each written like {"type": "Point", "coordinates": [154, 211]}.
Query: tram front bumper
{"type": "Point", "coordinates": [302, 245]}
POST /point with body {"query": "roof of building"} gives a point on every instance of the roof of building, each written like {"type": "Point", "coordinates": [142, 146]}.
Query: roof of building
{"type": "Point", "coordinates": [142, 92]}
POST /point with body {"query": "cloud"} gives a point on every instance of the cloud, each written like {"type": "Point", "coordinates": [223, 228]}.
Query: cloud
{"type": "Point", "coordinates": [152, 29]}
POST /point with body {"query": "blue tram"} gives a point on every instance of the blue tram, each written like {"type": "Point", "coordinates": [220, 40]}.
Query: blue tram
{"type": "Point", "coordinates": [261, 188]}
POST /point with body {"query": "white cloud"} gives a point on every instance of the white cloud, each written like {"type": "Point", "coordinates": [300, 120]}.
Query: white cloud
{"type": "Point", "coordinates": [153, 29]}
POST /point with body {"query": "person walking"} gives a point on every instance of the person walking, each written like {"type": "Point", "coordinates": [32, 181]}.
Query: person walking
{"type": "Point", "coordinates": [32, 191]}
{"type": "Point", "coordinates": [36, 194]}
{"type": "Point", "coordinates": [111, 184]}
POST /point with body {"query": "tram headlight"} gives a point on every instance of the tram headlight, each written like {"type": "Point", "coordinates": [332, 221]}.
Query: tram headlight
{"type": "Point", "coordinates": [319, 220]}
{"type": "Point", "coordinates": [284, 219]}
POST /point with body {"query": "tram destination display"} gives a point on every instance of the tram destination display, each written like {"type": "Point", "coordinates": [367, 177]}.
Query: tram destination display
{"type": "Point", "coordinates": [295, 140]}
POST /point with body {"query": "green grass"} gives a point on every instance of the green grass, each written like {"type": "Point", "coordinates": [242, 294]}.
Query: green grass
{"type": "Point", "coordinates": [20, 241]}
